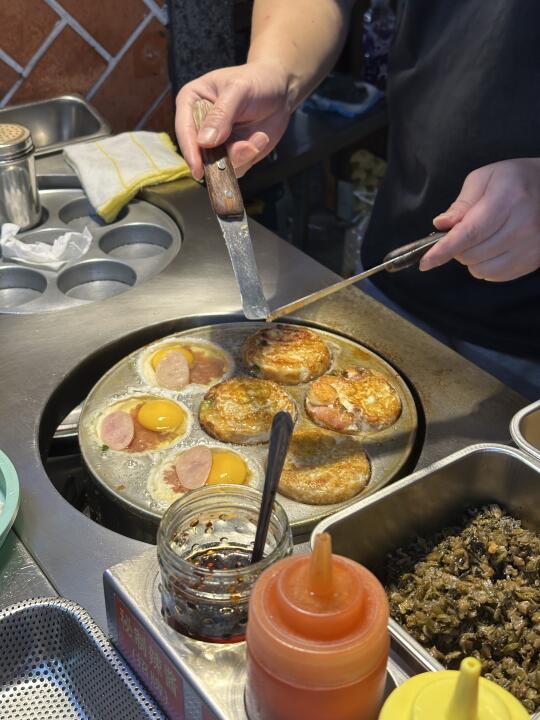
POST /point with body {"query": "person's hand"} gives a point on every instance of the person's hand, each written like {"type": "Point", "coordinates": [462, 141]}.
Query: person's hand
{"type": "Point", "coordinates": [251, 111]}
{"type": "Point", "coordinates": [494, 224]}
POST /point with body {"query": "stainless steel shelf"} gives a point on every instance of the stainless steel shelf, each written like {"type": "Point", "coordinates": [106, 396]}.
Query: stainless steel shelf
{"type": "Point", "coordinates": [57, 122]}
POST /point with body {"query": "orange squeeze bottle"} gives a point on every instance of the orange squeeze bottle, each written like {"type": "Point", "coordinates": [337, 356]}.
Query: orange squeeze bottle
{"type": "Point", "coordinates": [317, 640]}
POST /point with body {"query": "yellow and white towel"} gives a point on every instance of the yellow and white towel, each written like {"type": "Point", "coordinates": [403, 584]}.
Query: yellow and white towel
{"type": "Point", "coordinates": [112, 170]}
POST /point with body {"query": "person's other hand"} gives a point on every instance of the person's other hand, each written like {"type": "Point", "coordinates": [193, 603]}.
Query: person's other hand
{"type": "Point", "coordinates": [251, 111]}
{"type": "Point", "coordinates": [494, 224]}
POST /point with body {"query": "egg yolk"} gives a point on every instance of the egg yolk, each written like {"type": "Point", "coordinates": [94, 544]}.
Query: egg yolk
{"type": "Point", "coordinates": [227, 468]}
{"type": "Point", "coordinates": [160, 354]}
{"type": "Point", "coordinates": [161, 416]}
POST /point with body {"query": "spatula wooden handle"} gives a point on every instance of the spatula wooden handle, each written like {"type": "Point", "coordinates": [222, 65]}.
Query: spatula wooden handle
{"type": "Point", "coordinates": [221, 181]}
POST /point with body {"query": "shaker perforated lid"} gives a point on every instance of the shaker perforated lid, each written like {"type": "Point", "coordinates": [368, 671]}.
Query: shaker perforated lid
{"type": "Point", "coordinates": [14, 140]}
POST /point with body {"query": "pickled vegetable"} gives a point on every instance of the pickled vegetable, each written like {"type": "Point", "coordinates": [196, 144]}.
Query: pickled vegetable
{"type": "Point", "coordinates": [474, 590]}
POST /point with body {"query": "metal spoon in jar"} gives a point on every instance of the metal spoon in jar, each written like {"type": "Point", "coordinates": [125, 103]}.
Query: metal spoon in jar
{"type": "Point", "coordinates": [280, 435]}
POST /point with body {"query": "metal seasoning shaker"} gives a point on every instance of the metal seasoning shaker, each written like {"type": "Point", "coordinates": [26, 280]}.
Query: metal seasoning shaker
{"type": "Point", "coordinates": [19, 198]}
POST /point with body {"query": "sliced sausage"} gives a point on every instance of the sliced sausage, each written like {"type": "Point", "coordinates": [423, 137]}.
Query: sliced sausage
{"type": "Point", "coordinates": [332, 417]}
{"type": "Point", "coordinates": [172, 371]}
{"type": "Point", "coordinates": [117, 430]}
{"type": "Point", "coordinates": [193, 467]}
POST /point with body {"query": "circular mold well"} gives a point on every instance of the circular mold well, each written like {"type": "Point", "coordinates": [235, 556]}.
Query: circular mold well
{"type": "Point", "coordinates": [45, 235]}
{"type": "Point", "coordinates": [141, 254]}
{"type": "Point", "coordinates": [44, 216]}
{"type": "Point", "coordinates": [80, 214]}
{"type": "Point", "coordinates": [136, 241]}
{"type": "Point", "coordinates": [96, 280]}
{"type": "Point", "coordinates": [19, 286]}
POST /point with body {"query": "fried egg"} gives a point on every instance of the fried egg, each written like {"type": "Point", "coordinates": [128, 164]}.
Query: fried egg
{"type": "Point", "coordinates": [162, 416]}
{"type": "Point", "coordinates": [226, 467]}
{"type": "Point", "coordinates": [159, 355]}
{"type": "Point", "coordinates": [183, 364]}
{"type": "Point", "coordinates": [143, 423]}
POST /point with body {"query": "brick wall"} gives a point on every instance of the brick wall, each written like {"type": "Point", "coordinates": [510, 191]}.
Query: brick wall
{"type": "Point", "coordinates": [113, 52]}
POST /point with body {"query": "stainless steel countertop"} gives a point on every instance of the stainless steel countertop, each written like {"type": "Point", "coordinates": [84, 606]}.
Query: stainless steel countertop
{"type": "Point", "coordinates": [20, 576]}
{"type": "Point", "coordinates": [51, 361]}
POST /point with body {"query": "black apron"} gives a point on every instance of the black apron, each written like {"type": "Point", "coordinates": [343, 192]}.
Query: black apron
{"type": "Point", "coordinates": [463, 92]}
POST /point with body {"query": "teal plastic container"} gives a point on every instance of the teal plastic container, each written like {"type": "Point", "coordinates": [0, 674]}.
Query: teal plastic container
{"type": "Point", "coordinates": [9, 495]}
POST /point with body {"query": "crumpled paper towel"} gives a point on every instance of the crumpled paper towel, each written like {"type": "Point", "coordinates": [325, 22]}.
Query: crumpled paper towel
{"type": "Point", "coordinates": [70, 246]}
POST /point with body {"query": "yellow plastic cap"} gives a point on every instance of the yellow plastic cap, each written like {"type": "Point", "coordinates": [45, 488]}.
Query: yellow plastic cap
{"type": "Point", "coordinates": [452, 695]}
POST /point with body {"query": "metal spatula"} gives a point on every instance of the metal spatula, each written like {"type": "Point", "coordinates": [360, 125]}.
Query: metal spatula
{"type": "Point", "coordinates": [227, 203]}
{"type": "Point", "coordinates": [399, 259]}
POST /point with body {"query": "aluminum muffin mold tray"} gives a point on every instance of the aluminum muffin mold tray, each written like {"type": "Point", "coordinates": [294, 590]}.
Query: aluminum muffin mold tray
{"type": "Point", "coordinates": [139, 244]}
{"type": "Point", "coordinates": [123, 477]}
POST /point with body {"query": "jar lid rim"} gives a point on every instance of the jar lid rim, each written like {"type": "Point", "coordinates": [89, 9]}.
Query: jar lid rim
{"type": "Point", "coordinates": [15, 139]}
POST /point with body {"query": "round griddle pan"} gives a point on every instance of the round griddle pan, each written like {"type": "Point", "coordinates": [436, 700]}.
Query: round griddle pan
{"type": "Point", "coordinates": [123, 477]}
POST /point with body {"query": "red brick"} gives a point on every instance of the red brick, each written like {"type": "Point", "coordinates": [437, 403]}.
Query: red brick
{"type": "Point", "coordinates": [162, 117]}
{"type": "Point", "coordinates": [25, 25]}
{"type": "Point", "coordinates": [69, 65]}
{"type": "Point", "coordinates": [8, 78]}
{"type": "Point", "coordinates": [110, 23]}
{"type": "Point", "coordinates": [137, 81]}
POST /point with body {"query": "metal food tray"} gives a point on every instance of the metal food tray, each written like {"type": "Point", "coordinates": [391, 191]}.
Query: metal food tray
{"type": "Point", "coordinates": [56, 663]}
{"type": "Point", "coordinates": [525, 429]}
{"type": "Point", "coordinates": [57, 122]}
{"type": "Point", "coordinates": [388, 449]}
{"type": "Point", "coordinates": [428, 501]}
{"type": "Point", "coordinates": [141, 242]}
{"type": "Point", "coordinates": [190, 679]}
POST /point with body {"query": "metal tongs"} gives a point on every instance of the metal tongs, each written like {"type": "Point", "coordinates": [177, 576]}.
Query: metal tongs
{"type": "Point", "coordinates": [403, 257]}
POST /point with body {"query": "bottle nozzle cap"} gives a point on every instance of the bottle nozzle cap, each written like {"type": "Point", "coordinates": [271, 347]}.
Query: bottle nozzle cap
{"type": "Point", "coordinates": [320, 597]}
{"type": "Point", "coordinates": [320, 567]}
{"type": "Point", "coordinates": [464, 703]}
{"type": "Point", "coordinates": [459, 700]}
{"type": "Point", "coordinates": [451, 695]}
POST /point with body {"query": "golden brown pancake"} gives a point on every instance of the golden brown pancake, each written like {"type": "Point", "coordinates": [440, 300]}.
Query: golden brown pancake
{"type": "Point", "coordinates": [354, 400]}
{"type": "Point", "coordinates": [241, 410]}
{"type": "Point", "coordinates": [322, 468]}
{"type": "Point", "coordinates": [286, 354]}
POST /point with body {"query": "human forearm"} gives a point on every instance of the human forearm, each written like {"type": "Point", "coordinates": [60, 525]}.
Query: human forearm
{"type": "Point", "coordinates": [303, 36]}
{"type": "Point", "coordinates": [294, 45]}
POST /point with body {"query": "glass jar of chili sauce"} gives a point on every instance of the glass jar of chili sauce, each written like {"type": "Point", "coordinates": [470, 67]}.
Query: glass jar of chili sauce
{"type": "Point", "coordinates": [205, 542]}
